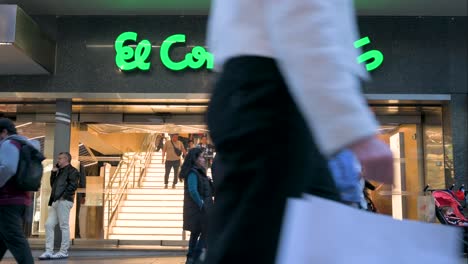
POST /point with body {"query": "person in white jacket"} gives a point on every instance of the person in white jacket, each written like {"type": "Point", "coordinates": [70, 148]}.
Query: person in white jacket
{"type": "Point", "coordinates": [289, 68]}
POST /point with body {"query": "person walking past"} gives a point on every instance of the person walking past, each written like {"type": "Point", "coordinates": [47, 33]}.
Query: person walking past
{"type": "Point", "coordinates": [208, 151]}
{"type": "Point", "coordinates": [282, 64]}
{"type": "Point", "coordinates": [13, 201]}
{"type": "Point", "coordinates": [171, 153]}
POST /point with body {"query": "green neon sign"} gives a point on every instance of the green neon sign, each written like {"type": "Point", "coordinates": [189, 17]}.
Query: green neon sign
{"type": "Point", "coordinates": [127, 58]}
{"type": "Point", "coordinates": [195, 60]}
{"type": "Point", "coordinates": [375, 56]}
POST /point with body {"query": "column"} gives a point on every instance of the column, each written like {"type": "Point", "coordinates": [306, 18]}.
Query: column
{"type": "Point", "coordinates": [62, 144]}
{"type": "Point", "coordinates": [459, 120]}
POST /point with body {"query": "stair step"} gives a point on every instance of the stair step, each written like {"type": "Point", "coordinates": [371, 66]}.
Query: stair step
{"type": "Point", "coordinates": [147, 230]}
{"type": "Point", "coordinates": [157, 174]}
{"type": "Point", "coordinates": [158, 184]}
{"type": "Point", "coordinates": [151, 216]}
{"type": "Point", "coordinates": [149, 223]}
{"type": "Point", "coordinates": [157, 170]}
{"type": "Point", "coordinates": [155, 197]}
{"type": "Point", "coordinates": [156, 178]}
{"type": "Point", "coordinates": [147, 237]}
{"type": "Point", "coordinates": [147, 204]}
{"type": "Point", "coordinates": [151, 191]}
{"type": "Point", "coordinates": [151, 210]}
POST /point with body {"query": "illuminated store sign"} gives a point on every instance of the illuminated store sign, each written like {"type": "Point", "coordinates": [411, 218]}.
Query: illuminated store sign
{"type": "Point", "coordinates": [132, 55]}
{"type": "Point", "coordinates": [128, 58]}
{"type": "Point", "coordinates": [376, 57]}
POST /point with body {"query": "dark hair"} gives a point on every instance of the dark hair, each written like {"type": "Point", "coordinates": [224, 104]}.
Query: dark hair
{"type": "Point", "coordinates": [190, 162]}
{"type": "Point", "coordinates": [7, 124]}
{"type": "Point", "coordinates": [69, 157]}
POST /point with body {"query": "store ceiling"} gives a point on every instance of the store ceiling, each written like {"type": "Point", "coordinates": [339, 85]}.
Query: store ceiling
{"type": "Point", "coordinates": [185, 7]}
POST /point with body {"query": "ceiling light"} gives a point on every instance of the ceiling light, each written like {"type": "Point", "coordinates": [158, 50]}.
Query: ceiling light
{"type": "Point", "coordinates": [23, 125]}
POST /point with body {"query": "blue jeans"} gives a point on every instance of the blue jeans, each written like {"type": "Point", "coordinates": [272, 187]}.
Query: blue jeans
{"type": "Point", "coordinates": [196, 244]}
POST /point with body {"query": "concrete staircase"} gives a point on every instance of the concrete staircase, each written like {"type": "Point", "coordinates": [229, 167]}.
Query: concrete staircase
{"type": "Point", "coordinates": [151, 212]}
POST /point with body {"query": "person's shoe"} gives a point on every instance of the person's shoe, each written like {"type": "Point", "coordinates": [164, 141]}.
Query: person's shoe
{"type": "Point", "coordinates": [165, 186]}
{"type": "Point", "coordinates": [173, 186]}
{"type": "Point", "coordinates": [189, 261]}
{"type": "Point", "coordinates": [46, 255]}
{"type": "Point", "coordinates": [59, 255]}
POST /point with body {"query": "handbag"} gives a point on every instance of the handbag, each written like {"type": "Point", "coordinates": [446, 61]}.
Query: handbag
{"type": "Point", "coordinates": [177, 151]}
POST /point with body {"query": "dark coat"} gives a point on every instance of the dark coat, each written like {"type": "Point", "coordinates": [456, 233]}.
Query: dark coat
{"type": "Point", "coordinates": [64, 183]}
{"type": "Point", "coordinates": [195, 218]}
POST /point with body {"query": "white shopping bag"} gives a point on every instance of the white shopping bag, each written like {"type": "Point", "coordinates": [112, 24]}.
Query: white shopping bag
{"type": "Point", "coordinates": [316, 230]}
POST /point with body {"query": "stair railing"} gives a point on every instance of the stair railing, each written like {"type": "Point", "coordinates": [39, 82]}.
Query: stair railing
{"type": "Point", "coordinates": [148, 158]}
{"type": "Point", "coordinates": [114, 196]}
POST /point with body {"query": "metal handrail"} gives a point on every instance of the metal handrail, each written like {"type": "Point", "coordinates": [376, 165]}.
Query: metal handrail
{"type": "Point", "coordinates": [149, 157]}
{"type": "Point", "coordinates": [114, 199]}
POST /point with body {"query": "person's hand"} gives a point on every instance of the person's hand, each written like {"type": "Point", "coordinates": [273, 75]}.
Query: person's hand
{"type": "Point", "coordinates": [162, 161]}
{"type": "Point", "coordinates": [54, 169]}
{"type": "Point", "coordinates": [376, 159]}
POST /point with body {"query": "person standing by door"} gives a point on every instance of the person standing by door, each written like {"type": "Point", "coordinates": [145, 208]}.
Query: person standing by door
{"type": "Point", "coordinates": [171, 153]}
{"type": "Point", "coordinates": [198, 200]}
{"type": "Point", "coordinates": [64, 182]}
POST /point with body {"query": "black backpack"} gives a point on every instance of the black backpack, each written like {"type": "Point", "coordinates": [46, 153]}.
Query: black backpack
{"type": "Point", "coordinates": [28, 177]}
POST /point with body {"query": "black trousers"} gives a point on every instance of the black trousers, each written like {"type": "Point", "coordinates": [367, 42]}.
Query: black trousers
{"type": "Point", "coordinates": [175, 164]}
{"type": "Point", "coordinates": [266, 154]}
{"type": "Point", "coordinates": [11, 234]}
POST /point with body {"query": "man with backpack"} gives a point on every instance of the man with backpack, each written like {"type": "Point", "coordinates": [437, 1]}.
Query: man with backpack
{"type": "Point", "coordinates": [14, 198]}
{"type": "Point", "coordinates": [64, 182]}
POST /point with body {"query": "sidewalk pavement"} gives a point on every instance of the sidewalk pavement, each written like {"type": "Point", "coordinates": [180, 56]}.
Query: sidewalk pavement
{"type": "Point", "coordinates": [108, 257]}
{"type": "Point", "coordinates": [98, 257]}
{"type": "Point", "coordinates": [108, 260]}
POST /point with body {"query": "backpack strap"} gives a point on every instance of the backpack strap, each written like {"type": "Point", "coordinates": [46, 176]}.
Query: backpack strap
{"type": "Point", "coordinates": [16, 143]}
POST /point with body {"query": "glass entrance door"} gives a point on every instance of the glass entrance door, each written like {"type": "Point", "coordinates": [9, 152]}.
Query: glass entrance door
{"type": "Point", "coordinates": [400, 199]}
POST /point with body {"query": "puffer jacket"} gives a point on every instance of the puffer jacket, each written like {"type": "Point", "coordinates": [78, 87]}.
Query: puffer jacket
{"type": "Point", "coordinates": [195, 218]}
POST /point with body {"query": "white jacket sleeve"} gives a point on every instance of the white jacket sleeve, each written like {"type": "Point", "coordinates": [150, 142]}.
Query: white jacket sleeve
{"type": "Point", "coordinates": [313, 43]}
